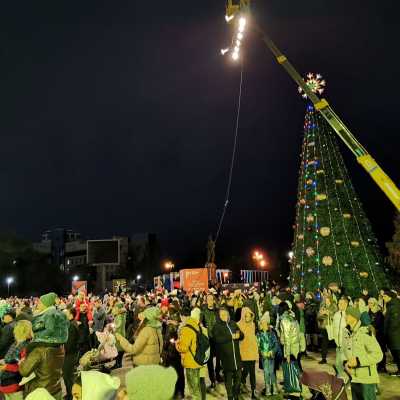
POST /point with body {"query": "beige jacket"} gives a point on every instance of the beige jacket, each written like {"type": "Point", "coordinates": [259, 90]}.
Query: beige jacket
{"type": "Point", "coordinates": [147, 347]}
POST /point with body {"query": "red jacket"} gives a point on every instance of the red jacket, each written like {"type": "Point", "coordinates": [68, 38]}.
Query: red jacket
{"type": "Point", "coordinates": [88, 309]}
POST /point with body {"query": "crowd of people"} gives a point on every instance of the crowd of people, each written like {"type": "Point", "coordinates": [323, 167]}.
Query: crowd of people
{"type": "Point", "coordinates": [185, 344]}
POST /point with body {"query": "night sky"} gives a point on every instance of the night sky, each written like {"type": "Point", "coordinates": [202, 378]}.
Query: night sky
{"type": "Point", "coordinates": [117, 117]}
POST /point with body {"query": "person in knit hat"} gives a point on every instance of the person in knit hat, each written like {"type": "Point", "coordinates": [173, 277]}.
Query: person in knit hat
{"type": "Point", "coordinates": [49, 325]}
{"type": "Point", "coordinates": [141, 384]}
{"type": "Point", "coordinates": [45, 354]}
{"type": "Point", "coordinates": [363, 353]}
{"type": "Point", "coordinates": [186, 346]}
{"type": "Point", "coordinates": [149, 342]}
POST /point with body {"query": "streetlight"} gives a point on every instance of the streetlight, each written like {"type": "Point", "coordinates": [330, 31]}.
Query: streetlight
{"type": "Point", "coordinates": [259, 259]}
{"type": "Point", "coordinates": [290, 255]}
{"type": "Point", "coordinates": [139, 277]}
{"type": "Point", "coordinates": [9, 281]}
{"type": "Point", "coordinates": [169, 266]}
{"type": "Point", "coordinates": [75, 278]}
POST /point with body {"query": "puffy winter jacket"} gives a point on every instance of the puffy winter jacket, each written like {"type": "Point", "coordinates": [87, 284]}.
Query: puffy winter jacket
{"type": "Point", "coordinates": [290, 335]}
{"type": "Point", "coordinates": [366, 349]}
{"type": "Point", "coordinates": [147, 347]}
{"type": "Point", "coordinates": [267, 342]}
{"type": "Point", "coordinates": [248, 346]}
{"type": "Point", "coordinates": [46, 362]}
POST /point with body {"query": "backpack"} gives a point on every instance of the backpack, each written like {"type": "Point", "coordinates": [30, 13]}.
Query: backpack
{"type": "Point", "coordinates": [202, 347]}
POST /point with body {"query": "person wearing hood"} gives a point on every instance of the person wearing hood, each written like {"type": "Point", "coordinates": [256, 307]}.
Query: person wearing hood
{"type": "Point", "coordinates": [187, 345]}
{"type": "Point", "coordinates": [94, 385]}
{"type": "Point", "coordinates": [248, 349]}
{"type": "Point", "coordinates": [268, 347]}
{"type": "Point", "coordinates": [363, 353]}
{"type": "Point", "coordinates": [119, 313]}
{"type": "Point", "coordinates": [45, 354]}
{"type": "Point", "coordinates": [290, 339]}
{"type": "Point", "coordinates": [227, 336]}
{"type": "Point", "coordinates": [148, 345]}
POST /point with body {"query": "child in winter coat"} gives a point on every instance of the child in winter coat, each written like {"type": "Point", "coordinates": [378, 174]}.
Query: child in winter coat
{"type": "Point", "coordinates": [268, 347]}
{"type": "Point", "coordinates": [9, 373]}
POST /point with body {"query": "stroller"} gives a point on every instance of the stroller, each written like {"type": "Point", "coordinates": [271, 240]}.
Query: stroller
{"type": "Point", "coordinates": [103, 358]}
{"type": "Point", "coordinates": [324, 386]}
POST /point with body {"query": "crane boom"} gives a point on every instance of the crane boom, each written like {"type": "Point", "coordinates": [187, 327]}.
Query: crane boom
{"type": "Point", "coordinates": [321, 105]}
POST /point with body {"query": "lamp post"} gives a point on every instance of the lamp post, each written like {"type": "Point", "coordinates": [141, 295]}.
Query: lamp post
{"type": "Point", "coordinates": [75, 278]}
{"type": "Point", "coordinates": [9, 281]}
{"type": "Point", "coordinates": [169, 266]}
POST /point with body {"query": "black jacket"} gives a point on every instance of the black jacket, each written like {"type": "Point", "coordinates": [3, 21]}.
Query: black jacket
{"type": "Point", "coordinates": [226, 347]}
{"type": "Point", "coordinates": [72, 345]}
{"type": "Point", "coordinates": [209, 319]}
{"type": "Point", "coordinates": [6, 338]}
{"type": "Point", "coordinates": [392, 324]}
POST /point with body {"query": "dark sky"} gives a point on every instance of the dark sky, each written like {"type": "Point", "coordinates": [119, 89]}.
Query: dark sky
{"type": "Point", "coordinates": [118, 116]}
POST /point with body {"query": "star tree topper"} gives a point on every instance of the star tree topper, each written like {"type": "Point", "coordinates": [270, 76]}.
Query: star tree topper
{"type": "Point", "coordinates": [315, 82]}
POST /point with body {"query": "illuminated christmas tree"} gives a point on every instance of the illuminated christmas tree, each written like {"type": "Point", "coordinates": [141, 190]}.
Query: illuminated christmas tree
{"type": "Point", "coordinates": [333, 238]}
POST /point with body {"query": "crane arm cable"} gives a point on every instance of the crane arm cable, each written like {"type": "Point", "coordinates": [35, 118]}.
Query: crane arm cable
{"type": "Point", "coordinates": [234, 151]}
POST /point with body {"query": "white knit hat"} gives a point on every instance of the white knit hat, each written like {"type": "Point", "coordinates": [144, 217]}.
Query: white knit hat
{"type": "Point", "coordinates": [195, 314]}
{"type": "Point", "coordinates": [39, 394]}
{"type": "Point", "coordinates": [151, 382]}
{"type": "Point", "coordinates": [98, 386]}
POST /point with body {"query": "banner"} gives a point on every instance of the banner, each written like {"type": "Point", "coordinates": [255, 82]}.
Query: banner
{"type": "Point", "coordinates": [79, 286]}
{"type": "Point", "coordinates": [192, 280]}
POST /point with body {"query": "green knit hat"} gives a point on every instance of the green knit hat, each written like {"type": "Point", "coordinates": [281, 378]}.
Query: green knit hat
{"type": "Point", "coordinates": [48, 299]}
{"type": "Point", "coordinates": [152, 315]}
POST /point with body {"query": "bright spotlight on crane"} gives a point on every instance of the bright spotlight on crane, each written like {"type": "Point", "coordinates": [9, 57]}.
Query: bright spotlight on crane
{"type": "Point", "coordinates": [238, 43]}
{"type": "Point", "coordinates": [242, 22]}
{"type": "Point", "coordinates": [241, 29]}
{"type": "Point", "coordinates": [240, 36]}
{"type": "Point", "coordinates": [224, 51]}
{"type": "Point", "coordinates": [235, 56]}
{"type": "Point", "coordinates": [229, 18]}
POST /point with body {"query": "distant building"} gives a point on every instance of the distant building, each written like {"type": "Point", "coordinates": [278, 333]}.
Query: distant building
{"type": "Point", "coordinates": [66, 249]}
{"type": "Point", "coordinates": [60, 244]}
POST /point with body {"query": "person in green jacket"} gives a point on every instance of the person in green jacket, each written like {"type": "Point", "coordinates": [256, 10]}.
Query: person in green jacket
{"type": "Point", "coordinates": [363, 353]}
{"type": "Point", "coordinates": [119, 312]}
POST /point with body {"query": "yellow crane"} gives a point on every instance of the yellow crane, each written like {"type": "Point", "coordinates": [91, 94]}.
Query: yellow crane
{"type": "Point", "coordinates": [240, 10]}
